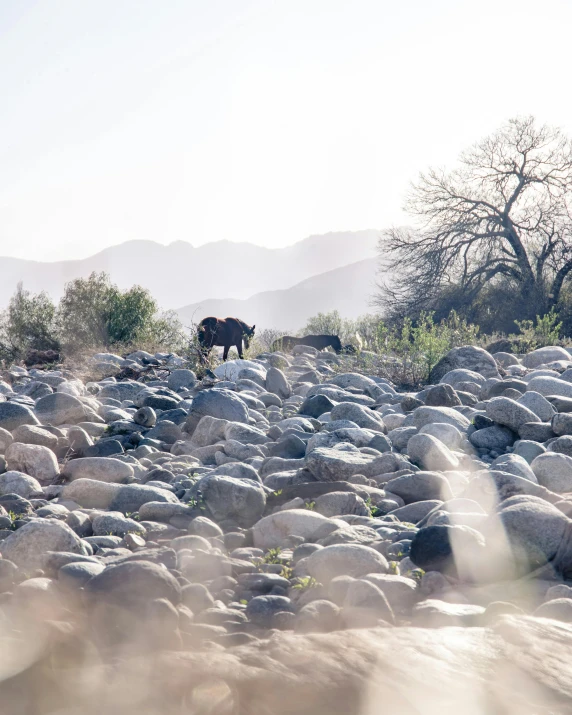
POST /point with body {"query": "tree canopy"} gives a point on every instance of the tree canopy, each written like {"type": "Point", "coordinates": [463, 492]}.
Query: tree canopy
{"type": "Point", "coordinates": [500, 221]}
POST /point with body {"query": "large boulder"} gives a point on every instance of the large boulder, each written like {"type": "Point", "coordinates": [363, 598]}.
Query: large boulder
{"type": "Point", "coordinates": [239, 500]}
{"type": "Point", "coordinates": [94, 494]}
{"type": "Point", "coordinates": [344, 560]}
{"type": "Point", "coordinates": [277, 383]}
{"type": "Point", "coordinates": [426, 415]}
{"type": "Point", "coordinates": [544, 356]}
{"type": "Point", "coordinates": [430, 453]}
{"type": "Point", "coordinates": [327, 464]}
{"type": "Point", "coordinates": [553, 471]}
{"type": "Point", "coordinates": [316, 405]}
{"type": "Point", "coordinates": [534, 530]}
{"type": "Point", "coordinates": [104, 469]}
{"type": "Point", "coordinates": [550, 386]}
{"type": "Point", "coordinates": [356, 380]}
{"type": "Point", "coordinates": [33, 459]}
{"type": "Point", "coordinates": [134, 583]}
{"type": "Point", "coordinates": [362, 416]}
{"type": "Point", "coordinates": [218, 402]}
{"type": "Point", "coordinates": [181, 378]}
{"type": "Point", "coordinates": [12, 415]}
{"type": "Point", "coordinates": [467, 357]}
{"type": "Point", "coordinates": [273, 530]}
{"type": "Point", "coordinates": [27, 546]}
{"type": "Point", "coordinates": [231, 369]}
{"type": "Point", "coordinates": [453, 550]}
{"type": "Point", "coordinates": [509, 413]}
{"type": "Point", "coordinates": [18, 483]}
{"type": "Point", "coordinates": [32, 434]}
{"type": "Point", "coordinates": [420, 486]}
{"type": "Point", "coordinates": [495, 437]}
{"type": "Point", "coordinates": [59, 408]}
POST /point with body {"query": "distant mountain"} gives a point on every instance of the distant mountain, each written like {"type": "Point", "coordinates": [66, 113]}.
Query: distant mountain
{"type": "Point", "coordinates": [348, 290]}
{"type": "Point", "coordinates": [179, 273]}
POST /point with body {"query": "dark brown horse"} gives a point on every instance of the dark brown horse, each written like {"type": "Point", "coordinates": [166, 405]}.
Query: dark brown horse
{"type": "Point", "coordinates": [287, 342]}
{"type": "Point", "coordinates": [224, 332]}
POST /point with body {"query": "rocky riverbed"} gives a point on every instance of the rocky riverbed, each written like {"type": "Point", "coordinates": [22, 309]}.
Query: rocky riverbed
{"type": "Point", "coordinates": [295, 536]}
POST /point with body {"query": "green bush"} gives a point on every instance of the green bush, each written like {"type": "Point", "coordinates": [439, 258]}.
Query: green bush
{"type": "Point", "coordinates": [545, 332]}
{"type": "Point", "coordinates": [94, 313]}
{"type": "Point", "coordinates": [27, 324]}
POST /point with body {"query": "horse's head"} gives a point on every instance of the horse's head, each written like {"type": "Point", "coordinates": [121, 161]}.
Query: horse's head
{"type": "Point", "coordinates": [336, 343]}
{"type": "Point", "coordinates": [248, 335]}
{"type": "Point", "coordinates": [350, 349]}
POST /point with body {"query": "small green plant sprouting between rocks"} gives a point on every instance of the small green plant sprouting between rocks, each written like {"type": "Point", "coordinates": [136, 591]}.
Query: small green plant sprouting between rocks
{"type": "Point", "coordinates": [311, 505]}
{"type": "Point", "coordinates": [197, 502]}
{"type": "Point", "coordinates": [304, 583]}
{"type": "Point", "coordinates": [273, 556]}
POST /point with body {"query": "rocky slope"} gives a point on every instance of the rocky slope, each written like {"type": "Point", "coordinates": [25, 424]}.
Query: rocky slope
{"type": "Point", "coordinates": [296, 536]}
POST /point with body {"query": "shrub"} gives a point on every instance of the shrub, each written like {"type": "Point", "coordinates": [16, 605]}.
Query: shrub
{"type": "Point", "coordinates": [545, 332]}
{"type": "Point", "coordinates": [324, 324]}
{"type": "Point", "coordinates": [95, 313]}
{"type": "Point", "coordinates": [27, 324]}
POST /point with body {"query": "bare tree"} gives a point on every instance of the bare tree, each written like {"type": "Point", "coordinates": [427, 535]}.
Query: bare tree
{"type": "Point", "coordinates": [503, 217]}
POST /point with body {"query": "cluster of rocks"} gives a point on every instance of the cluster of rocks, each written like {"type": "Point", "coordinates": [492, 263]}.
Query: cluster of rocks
{"type": "Point", "coordinates": [288, 495]}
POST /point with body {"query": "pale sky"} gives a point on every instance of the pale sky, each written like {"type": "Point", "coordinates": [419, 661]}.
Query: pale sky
{"type": "Point", "coordinates": [252, 120]}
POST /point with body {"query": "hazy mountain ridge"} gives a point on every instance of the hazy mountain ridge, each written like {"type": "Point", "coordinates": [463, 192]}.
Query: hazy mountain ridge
{"type": "Point", "coordinates": [348, 289]}
{"type": "Point", "coordinates": [179, 274]}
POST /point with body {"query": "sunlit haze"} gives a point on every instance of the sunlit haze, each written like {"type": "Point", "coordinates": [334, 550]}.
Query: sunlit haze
{"type": "Point", "coordinates": [262, 121]}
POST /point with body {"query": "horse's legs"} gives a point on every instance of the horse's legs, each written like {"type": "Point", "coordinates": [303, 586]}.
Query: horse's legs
{"type": "Point", "coordinates": [225, 351]}
{"type": "Point", "coordinates": [239, 348]}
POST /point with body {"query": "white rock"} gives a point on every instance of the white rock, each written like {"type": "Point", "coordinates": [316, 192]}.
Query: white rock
{"type": "Point", "coordinates": [103, 469]}
{"type": "Point", "coordinates": [33, 459]}
{"type": "Point", "coordinates": [273, 530]}
{"type": "Point", "coordinates": [544, 356]}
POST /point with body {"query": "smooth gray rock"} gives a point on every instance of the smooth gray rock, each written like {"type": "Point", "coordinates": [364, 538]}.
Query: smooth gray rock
{"type": "Point", "coordinates": [430, 453]}
{"type": "Point", "coordinates": [336, 503]}
{"type": "Point", "coordinates": [497, 438]}
{"type": "Point", "coordinates": [544, 356]}
{"type": "Point", "coordinates": [426, 415]}
{"type": "Point", "coordinates": [32, 434]}
{"type": "Point", "coordinates": [181, 378]}
{"type": "Point", "coordinates": [219, 403]}
{"type": "Point", "coordinates": [366, 594]}
{"type": "Point", "coordinates": [273, 530]}
{"type": "Point", "coordinates": [134, 584]}
{"type": "Point", "coordinates": [12, 415]}
{"type": "Point", "coordinates": [509, 413]}
{"type": "Point", "coordinates": [420, 486]}
{"type": "Point", "coordinates": [529, 450]}
{"type": "Point", "coordinates": [538, 404]}
{"type": "Point", "coordinates": [237, 499]}
{"type": "Point", "coordinates": [104, 469]}
{"type": "Point", "coordinates": [467, 357]}
{"type": "Point", "coordinates": [14, 482]}
{"type": "Point", "coordinates": [59, 408]}
{"type": "Point", "coordinates": [277, 383]}
{"type": "Point", "coordinates": [343, 560]}
{"type": "Point", "coordinates": [549, 386]}
{"type": "Point", "coordinates": [562, 424]}
{"type": "Point", "coordinates": [362, 416]}
{"type": "Point", "coordinates": [553, 471]}
{"type": "Point", "coordinates": [33, 459]}
{"type": "Point", "coordinates": [514, 464]}
{"type": "Point", "coordinates": [93, 494]}
{"type": "Point", "coordinates": [27, 546]}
